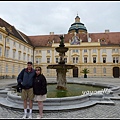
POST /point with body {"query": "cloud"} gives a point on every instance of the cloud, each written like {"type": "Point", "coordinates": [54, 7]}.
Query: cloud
{"type": "Point", "coordinates": [42, 17]}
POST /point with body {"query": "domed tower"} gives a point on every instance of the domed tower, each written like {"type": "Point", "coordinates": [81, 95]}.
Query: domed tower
{"type": "Point", "coordinates": [78, 28]}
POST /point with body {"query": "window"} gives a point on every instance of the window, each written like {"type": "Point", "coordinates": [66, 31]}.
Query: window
{"type": "Point", "coordinates": [36, 51]}
{"type": "Point", "coordinates": [19, 55]}
{"type": "Point", "coordinates": [75, 59]}
{"type": "Point", "coordinates": [0, 36]}
{"type": "Point", "coordinates": [94, 70]}
{"type": "Point", "coordinates": [7, 40]}
{"type": "Point", "coordinates": [24, 47]}
{"type": "Point", "coordinates": [14, 54]}
{"type": "Point", "coordinates": [104, 51]}
{"type": "Point", "coordinates": [115, 50]}
{"type": "Point", "coordinates": [7, 53]}
{"type": "Point", "coordinates": [6, 68]}
{"type": "Point", "coordinates": [85, 59]}
{"type": "Point", "coordinates": [65, 59]}
{"type": "Point", "coordinates": [38, 60]}
{"type": "Point", "coordinates": [57, 60]}
{"type": "Point", "coordinates": [18, 68]}
{"type": "Point", "coordinates": [48, 60]}
{"type": "Point", "coordinates": [13, 69]}
{"type": "Point", "coordinates": [94, 50]}
{"type": "Point", "coordinates": [24, 56]}
{"type": "Point", "coordinates": [94, 59]}
{"type": "Point", "coordinates": [75, 51]}
{"type": "Point", "coordinates": [48, 51]}
{"type": "Point", "coordinates": [104, 59]}
{"type": "Point", "coordinates": [115, 59]}
{"type": "Point", "coordinates": [19, 45]}
{"type": "Point", "coordinates": [27, 57]}
{"type": "Point", "coordinates": [39, 51]}
{"type": "Point", "coordinates": [0, 51]}
{"type": "Point", "coordinates": [85, 50]}
{"type": "Point", "coordinates": [31, 51]}
{"type": "Point", "coordinates": [104, 70]}
{"type": "Point", "coordinates": [0, 68]}
{"type": "Point", "coordinates": [48, 71]}
{"type": "Point", "coordinates": [31, 58]}
{"type": "Point", "coordinates": [14, 43]}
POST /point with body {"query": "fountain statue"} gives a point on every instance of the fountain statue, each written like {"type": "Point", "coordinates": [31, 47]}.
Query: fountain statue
{"type": "Point", "coordinates": [61, 67]}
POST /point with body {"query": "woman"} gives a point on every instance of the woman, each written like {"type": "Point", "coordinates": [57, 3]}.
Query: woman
{"type": "Point", "coordinates": [40, 90]}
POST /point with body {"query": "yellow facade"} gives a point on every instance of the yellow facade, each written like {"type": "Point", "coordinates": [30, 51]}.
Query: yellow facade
{"type": "Point", "coordinates": [11, 65]}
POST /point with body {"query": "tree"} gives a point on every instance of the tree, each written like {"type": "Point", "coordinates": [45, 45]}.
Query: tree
{"type": "Point", "coordinates": [85, 71]}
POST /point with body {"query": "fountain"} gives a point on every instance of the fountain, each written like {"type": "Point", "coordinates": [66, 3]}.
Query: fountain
{"type": "Point", "coordinates": [10, 98]}
{"type": "Point", "coordinates": [61, 67]}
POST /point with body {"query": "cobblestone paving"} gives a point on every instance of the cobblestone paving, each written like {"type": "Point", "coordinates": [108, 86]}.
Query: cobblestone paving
{"type": "Point", "coordinates": [96, 111]}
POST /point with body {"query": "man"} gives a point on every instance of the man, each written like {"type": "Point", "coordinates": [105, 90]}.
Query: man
{"type": "Point", "coordinates": [26, 77]}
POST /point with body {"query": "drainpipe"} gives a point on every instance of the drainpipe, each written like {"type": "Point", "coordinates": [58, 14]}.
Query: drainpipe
{"type": "Point", "coordinates": [33, 56]}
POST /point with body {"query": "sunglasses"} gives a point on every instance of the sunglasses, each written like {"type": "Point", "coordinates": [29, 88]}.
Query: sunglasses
{"type": "Point", "coordinates": [37, 70]}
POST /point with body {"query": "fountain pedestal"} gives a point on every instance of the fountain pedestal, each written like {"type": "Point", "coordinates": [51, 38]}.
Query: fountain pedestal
{"type": "Point", "coordinates": [61, 79]}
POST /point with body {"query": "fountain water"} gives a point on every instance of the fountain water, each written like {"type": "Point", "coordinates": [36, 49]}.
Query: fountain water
{"type": "Point", "coordinates": [61, 67]}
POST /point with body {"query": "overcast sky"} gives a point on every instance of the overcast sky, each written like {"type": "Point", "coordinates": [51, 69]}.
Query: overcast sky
{"type": "Point", "coordinates": [43, 17]}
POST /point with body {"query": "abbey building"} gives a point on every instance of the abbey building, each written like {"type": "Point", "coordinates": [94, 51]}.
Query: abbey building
{"type": "Point", "coordinates": [98, 52]}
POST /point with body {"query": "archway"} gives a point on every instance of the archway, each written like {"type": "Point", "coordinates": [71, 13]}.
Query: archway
{"type": "Point", "coordinates": [116, 72]}
{"type": "Point", "coordinates": [75, 72]}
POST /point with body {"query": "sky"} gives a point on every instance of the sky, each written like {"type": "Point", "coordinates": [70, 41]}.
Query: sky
{"type": "Point", "coordinates": [42, 17]}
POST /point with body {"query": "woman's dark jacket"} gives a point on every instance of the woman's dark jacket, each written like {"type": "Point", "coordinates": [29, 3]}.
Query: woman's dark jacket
{"type": "Point", "coordinates": [40, 85]}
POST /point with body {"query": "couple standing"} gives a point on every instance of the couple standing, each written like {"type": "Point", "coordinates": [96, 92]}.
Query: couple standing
{"type": "Point", "coordinates": [34, 87]}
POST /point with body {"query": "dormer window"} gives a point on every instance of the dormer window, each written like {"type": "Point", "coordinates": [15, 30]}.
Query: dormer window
{"type": "Point", "coordinates": [102, 40]}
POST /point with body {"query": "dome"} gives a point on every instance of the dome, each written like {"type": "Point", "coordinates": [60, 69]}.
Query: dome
{"type": "Point", "coordinates": [77, 25]}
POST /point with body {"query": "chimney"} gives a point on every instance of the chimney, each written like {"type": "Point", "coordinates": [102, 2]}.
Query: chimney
{"type": "Point", "coordinates": [107, 31]}
{"type": "Point", "coordinates": [51, 33]}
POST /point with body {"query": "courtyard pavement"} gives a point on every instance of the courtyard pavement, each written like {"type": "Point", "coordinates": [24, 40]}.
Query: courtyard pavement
{"type": "Point", "coordinates": [98, 111]}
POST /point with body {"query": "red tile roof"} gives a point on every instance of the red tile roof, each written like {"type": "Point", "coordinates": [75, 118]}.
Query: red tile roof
{"type": "Point", "coordinates": [109, 38]}
{"type": "Point", "coordinates": [43, 40]}
{"type": "Point", "coordinates": [13, 31]}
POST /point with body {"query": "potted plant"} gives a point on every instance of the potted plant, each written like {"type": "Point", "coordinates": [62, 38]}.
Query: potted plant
{"type": "Point", "coordinates": [85, 71]}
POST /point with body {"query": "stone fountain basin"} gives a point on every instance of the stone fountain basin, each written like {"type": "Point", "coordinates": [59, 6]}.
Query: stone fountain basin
{"type": "Point", "coordinates": [66, 103]}
{"type": "Point", "coordinates": [60, 66]}
{"type": "Point", "coordinates": [61, 49]}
